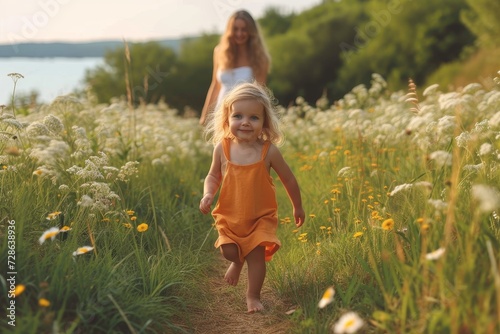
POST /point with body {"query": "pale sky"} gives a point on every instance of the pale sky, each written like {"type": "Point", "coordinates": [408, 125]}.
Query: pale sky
{"type": "Point", "coordinates": [134, 20]}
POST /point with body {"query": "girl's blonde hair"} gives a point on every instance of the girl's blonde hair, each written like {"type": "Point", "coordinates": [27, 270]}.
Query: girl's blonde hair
{"type": "Point", "coordinates": [218, 125]}
{"type": "Point", "coordinates": [258, 55]}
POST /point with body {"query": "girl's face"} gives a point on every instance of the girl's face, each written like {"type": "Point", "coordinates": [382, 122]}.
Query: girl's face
{"type": "Point", "coordinates": [246, 120]}
{"type": "Point", "coordinates": [239, 34]}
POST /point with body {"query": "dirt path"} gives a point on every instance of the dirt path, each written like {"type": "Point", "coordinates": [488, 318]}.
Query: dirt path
{"type": "Point", "coordinates": [226, 310]}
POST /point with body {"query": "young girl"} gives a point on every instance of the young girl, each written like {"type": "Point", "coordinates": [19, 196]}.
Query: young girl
{"type": "Point", "coordinates": [244, 131]}
{"type": "Point", "coordinates": [240, 56]}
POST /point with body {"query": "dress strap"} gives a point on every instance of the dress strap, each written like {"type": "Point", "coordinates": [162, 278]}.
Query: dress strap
{"type": "Point", "coordinates": [226, 146]}
{"type": "Point", "coordinates": [265, 149]}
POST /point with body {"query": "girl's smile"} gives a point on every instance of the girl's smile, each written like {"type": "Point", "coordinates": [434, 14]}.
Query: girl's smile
{"type": "Point", "coordinates": [246, 120]}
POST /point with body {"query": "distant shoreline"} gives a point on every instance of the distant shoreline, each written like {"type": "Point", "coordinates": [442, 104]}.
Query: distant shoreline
{"type": "Point", "coordinates": [71, 50]}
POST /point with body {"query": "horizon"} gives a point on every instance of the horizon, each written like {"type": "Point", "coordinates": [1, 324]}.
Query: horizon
{"type": "Point", "coordinates": [66, 21]}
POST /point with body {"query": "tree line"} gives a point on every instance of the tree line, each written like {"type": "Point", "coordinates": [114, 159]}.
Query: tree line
{"type": "Point", "coordinates": [322, 51]}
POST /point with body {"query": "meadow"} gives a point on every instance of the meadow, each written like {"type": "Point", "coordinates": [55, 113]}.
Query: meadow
{"type": "Point", "coordinates": [101, 231]}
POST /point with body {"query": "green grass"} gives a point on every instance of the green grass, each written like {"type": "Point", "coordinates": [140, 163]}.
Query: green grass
{"type": "Point", "coordinates": [108, 169]}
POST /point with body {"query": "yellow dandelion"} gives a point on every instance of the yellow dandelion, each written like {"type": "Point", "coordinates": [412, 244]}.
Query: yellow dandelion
{"type": "Point", "coordinates": [295, 231]}
{"type": "Point", "coordinates": [106, 220]}
{"type": "Point", "coordinates": [327, 297]}
{"type": "Point", "coordinates": [388, 224]}
{"type": "Point", "coordinates": [130, 212]}
{"type": "Point", "coordinates": [19, 290]}
{"type": "Point", "coordinates": [420, 220]}
{"type": "Point", "coordinates": [51, 233]}
{"type": "Point", "coordinates": [374, 214]}
{"type": "Point", "coordinates": [4, 167]}
{"type": "Point", "coordinates": [322, 227]}
{"type": "Point", "coordinates": [43, 302]}
{"type": "Point", "coordinates": [312, 215]}
{"type": "Point", "coordinates": [127, 225]}
{"type": "Point", "coordinates": [38, 172]}
{"type": "Point", "coordinates": [326, 201]}
{"type": "Point", "coordinates": [357, 235]}
{"type": "Point", "coordinates": [133, 218]}
{"type": "Point", "coordinates": [347, 152]}
{"type": "Point", "coordinates": [82, 250]}
{"type": "Point", "coordinates": [64, 229]}
{"type": "Point", "coordinates": [337, 210]}
{"type": "Point", "coordinates": [318, 252]}
{"type": "Point", "coordinates": [425, 227]}
{"type": "Point", "coordinates": [142, 227]}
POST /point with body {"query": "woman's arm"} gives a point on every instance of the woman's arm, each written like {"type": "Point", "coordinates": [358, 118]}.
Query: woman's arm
{"type": "Point", "coordinates": [213, 90]}
{"type": "Point", "coordinates": [261, 76]}
{"type": "Point", "coordinates": [212, 180]}
{"type": "Point", "coordinates": [289, 181]}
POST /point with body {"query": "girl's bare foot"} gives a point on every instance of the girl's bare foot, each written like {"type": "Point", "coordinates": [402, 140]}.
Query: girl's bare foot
{"type": "Point", "coordinates": [254, 305]}
{"type": "Point", "coordinates": [233, 273]}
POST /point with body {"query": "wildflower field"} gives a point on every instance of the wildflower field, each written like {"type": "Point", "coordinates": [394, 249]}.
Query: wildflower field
{"type": "Point", "coordinates": [101, 233]}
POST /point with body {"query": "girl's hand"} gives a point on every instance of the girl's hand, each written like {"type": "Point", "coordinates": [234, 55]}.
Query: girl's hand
{"type": "Point", "coordinates": [300, 216]}
{"type": "Point", "coordinates": [206, 203]}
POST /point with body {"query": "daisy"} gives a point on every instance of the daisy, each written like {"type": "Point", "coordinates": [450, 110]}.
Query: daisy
{"type": "Point", "coordinates": [349, 322]}
{"type": "Point", "coordinates": [327, 297]}
{"type": "Point", "coordinates": [50, 233]}
{"type": "Point", "coordinates": [82, 250]}
{"type": "Point", "coordinates": [436, 254]}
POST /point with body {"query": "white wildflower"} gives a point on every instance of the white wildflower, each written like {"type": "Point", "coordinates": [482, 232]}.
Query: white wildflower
{"type": "Point", "coordinates": [85, 201]}
{"type": "Point", "coordinates": [401, 187]}
{"type": "Point", "coordinates": [345, 172]}
{"type": "Point", "coordinates": [432, 89]}
{"type": "Point", "coordinates": [463, 139]}
{"type": "Point", "coordinates": [435, 254]}
{"type": "Point", "coordinates": [37, 129]}
{"type": "Point", "coordinates": [487, 197]}
{"type": "Point", "coordinates": [53, 123]}
{"type": "Point", "coordinates": [441, 158]}
{"type": "Point", "coordinates": [438, 204]}
{"type": "Point", "coordinates": [485, 149]}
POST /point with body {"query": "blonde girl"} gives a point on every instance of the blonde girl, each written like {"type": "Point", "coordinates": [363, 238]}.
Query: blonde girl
{"type": "Point", "coordinates": [240, 56]}
{"type": "Point", "coordinates": [245, 131]}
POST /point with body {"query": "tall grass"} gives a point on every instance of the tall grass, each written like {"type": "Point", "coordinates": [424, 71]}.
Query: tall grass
{"type": "Point", "coordinates": [388, 178]}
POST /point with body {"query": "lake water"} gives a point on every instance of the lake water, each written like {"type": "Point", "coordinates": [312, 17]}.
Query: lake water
{"type": "Point", "coordinates": [50, 77]}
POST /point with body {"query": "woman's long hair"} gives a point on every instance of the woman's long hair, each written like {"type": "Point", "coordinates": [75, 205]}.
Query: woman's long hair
{"type": "Point", "coordinates": [257, 52]}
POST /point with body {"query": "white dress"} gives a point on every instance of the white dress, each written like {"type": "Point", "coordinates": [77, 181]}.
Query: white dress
{"type": "Point", "coordinates": [231, 77]}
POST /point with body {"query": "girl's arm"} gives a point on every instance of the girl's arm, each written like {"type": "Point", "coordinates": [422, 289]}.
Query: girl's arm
{"type": "Point", "coordinates": [213, 91]}
{"type": "Point", "coordinates": [290, 183]}
{"type": "Point", "coordinates": [212, 181]}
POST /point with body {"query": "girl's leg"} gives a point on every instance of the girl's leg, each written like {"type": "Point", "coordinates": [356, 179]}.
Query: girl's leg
{"type": "Point", "coordinates": [256, 275]}
{"type": "Point", "coordinates": [230, 252]}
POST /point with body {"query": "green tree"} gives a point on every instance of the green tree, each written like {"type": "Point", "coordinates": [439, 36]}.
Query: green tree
{"type": "Point", "coordinates": [483, 20]}
{"type": "Point", "coordinates": [149, 72]}
{"type": "Point", "coordinates": [412, 39]}
{"type": "Point", "coordinates": [307, 58]}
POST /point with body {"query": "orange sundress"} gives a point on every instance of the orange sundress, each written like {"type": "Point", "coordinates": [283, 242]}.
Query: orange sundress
{"type": "Point", "coordinates": [246, 211]}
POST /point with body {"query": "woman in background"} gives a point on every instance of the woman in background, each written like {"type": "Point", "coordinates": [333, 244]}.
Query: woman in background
{"type": "Point", "coordinates": [240, 56]}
